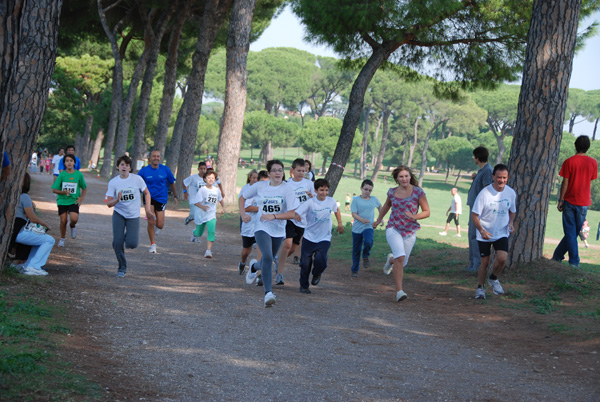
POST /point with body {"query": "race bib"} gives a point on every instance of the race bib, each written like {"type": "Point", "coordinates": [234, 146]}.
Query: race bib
{"type": "Point", "coordinates": [70, 187]}
{"type": "Point", "coordinates": [272, 205]}
{"type": "Point", "coordinates": [128, 194]}
{"type": "Point", "coordinates": [301, 195]}
{"type": "Point", "coordinates": [211, 199]}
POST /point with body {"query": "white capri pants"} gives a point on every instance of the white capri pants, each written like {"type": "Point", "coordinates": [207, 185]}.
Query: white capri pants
{"type": "Point", "coordinates": [401, 246]}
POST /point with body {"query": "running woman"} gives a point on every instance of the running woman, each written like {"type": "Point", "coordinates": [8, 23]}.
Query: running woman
{"type": "Point", "coordinates": [70, 188]}
{"type": "Point", "coordinates": [157, 176]}
{"type": "Point", "coordinates": [124, 195]}
{"type": "Point", "coordinates": [206, 213]}
{"type": "Point", "coordinates": [401, 230]}
{"type": "Point", "coordinates": [276, 204]}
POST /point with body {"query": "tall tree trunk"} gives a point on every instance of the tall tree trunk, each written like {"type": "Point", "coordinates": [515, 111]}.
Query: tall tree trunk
{"type": "Point", "coordinates": [175, 144]}
{"type": "Point", "coordinates": [28, 42]}
{"type": "Point", "coordinates": [595, 128]}
{"type": "Point", "coordinates": [154, 40]}
{"type": "Point", "coordinates": [540, 116]}
{"type": "Point", "coordinates": [424, 152]}
{"type": "Point", "coordinates": [84, 150]}
{"type": "Point", "coordinates": [97, 147]}
{"type": "Point", "coordinates": [232, 122]}
{"type": "Point", "coordinates": [365, 139]}
{"type": "Point", "coordinates": [404, 151]}
{"type": "Point", "coordinates": [170, 82]}
{"type": "Point", "coordinates": [106, 170]}
{"type": "Point", "coordinates": [457, 177]}
{"type": "Point", "coordinates": [413, 144]}
{"type": "Point", "coordinates": [213, 17]}
{"type": "Point", "coordinates": [385, 116]}
{"type": "Point", "coordinates": [355, 106]}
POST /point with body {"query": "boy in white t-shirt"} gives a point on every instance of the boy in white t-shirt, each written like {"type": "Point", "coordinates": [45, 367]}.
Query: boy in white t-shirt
{"type": "Point", "coordinates": [493, 214]}
{"type": "Point", "coordinates": [317, 235]}
{"type": "Point", "coordinates": [191, 185]}
{"type": "Point", "coordinates": [124, 195]}
{"type": "Point", "coordinates": [206, 215]}
{"type": "Point", "coordinates": [453, 213]}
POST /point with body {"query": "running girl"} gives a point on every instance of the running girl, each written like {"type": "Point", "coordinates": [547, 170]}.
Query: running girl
{"type": "Point", "coordinates": [70, 188]}
{"type": "Point", "coordinates": [247, 229]}
{"type": "Point", "coordinates": [206, 215]}
{"type": "Point", "coordinates": [401, 230]}
{"type": "Point", "coordinates": [124, 195]}
{"type": "Point", "coordinates": [276, 203]}
{"type": "Point", "coordinates": [363, 212]}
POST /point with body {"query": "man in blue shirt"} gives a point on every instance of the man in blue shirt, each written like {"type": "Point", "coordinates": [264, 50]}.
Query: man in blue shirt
{"type": "Point", "coordinates": [70, 149]}
{"type": "Point", "coordinates": [482, 179]}
{"type": "Point", "coordinates": [157, 176]}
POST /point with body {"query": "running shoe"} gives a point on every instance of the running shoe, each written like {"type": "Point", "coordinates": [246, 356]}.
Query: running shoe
{"type": "Point", "coordinates": [269, 299]}
{"type": "Point", "coordinates": [496, 287]}
{"type": "Point", "coordinates": [152, 248]}
{"type": "Point", "coordinates": [61, 243]}
{"type": "Point", "coordinates": [366, 262]}
{"type": "Point", "coordinates": [480, 293]}
{"type": "Point", "coordinates": [305, 290]}
{"type": "Point", "coordinates": [241, 268]}
{"type": "Point", "coordinates": [315, 280]}
{"type": "Point", "coordinates": [188, 220]}
{"type": "Point", "coordinates": [120, 274]}
{"type": "Point", "coordinates": [389, 264]}
{"type": "Point", "coordinates": [208, 254]}
{"type": "Point", "coordinates": [259, 281]}
{"type": "Point", "coordinates": [73, 233]}
{"type": "Point", "coordinates": [401, 295]}
{"type": "Point", "coordinates": [442, 233]}
{"type": "Point", "coordinates": [251, 276]}
{"type": "Point", "coordinates": [34, 271]}
{"type": "Point", "coordinates": [156, 231]}
{"type": "Point", "coordinates": [354, 275]}
{"type": "Point", "coordinates": [193, 239]}
{"type": "Point", "coordinates": [296, 260]}
{"type": "Point", "coordinates": [458, 235]}
{"type": "Point", "coordinates": [279, 280]}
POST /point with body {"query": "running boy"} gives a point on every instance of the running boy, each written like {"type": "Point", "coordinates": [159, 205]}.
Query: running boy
{"type": "Point", "coordinates": [317, 235]}
{"type": "Point", "coordinates": [363, 212]}
{"type": "Point", "coordinates": [70, 188]}
{"type": "Point", "coordinates": [191, 185]}
{"type": "Point", "coordinates": [206, 215]}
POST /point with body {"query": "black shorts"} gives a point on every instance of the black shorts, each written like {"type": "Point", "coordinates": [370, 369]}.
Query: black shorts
{"type": "Point", "coordinates": [293, 232]}
{"type": "Point", "coordinates": [158, 206]}
{"type": "Point", "coordinates": [247, 242]}
{"type": "Point", "coordinates": [485, 247]}
{"type": "Point", "coordinates": [63, 209]}
{"type": "Point", "coordinates": [452, 216]}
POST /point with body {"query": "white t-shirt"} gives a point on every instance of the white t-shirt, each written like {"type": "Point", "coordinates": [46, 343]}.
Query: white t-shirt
{"type": "Point", "coordinates": [493, 208]}
{"type": "Point", "coordinates": [247, 228]}
{"type": "Point", "coordinates": [56, 161]}
{"type": "Point", "coordinates": [318, 218]}
{"type": "Point", "coordinates": [131, 200]}
{"type": "Point", "coordinates": [300, 188]}
{"type": "Point", "coordinates": [456, 205]}
{"type": "Point", "coordinates": [207, 197]}
{"type": "Point", "coordinates": [271, 200]}
{"type": "Point", "coordinates": [34, 159]}
{"type": "Point", "coordinates": [193, 184]}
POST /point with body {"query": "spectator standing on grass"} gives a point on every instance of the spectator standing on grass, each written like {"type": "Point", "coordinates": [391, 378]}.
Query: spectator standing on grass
{"type": "Point", "coordinates": [453, 213]}
{"type": "Point", "coordinates": [493, 214]}
{"type": "Point", "coordinates": [317, 235]}
{"type": "Point", "coordinates": [363, 212]}
{"type": "Point", "coordinates": [123, 195]}
{"type": "Point", "coordinates": [482, 178]}
{"type": "Point", "coordinates": [157, 177]}
{"type": "Point", "coordinates": [577, 172]}
{"type": "Point", "coordinates": [401, 230]}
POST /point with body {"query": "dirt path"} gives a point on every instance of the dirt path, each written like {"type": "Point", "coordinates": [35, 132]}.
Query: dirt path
{"type": "Point", "coordinates": [183, 328]}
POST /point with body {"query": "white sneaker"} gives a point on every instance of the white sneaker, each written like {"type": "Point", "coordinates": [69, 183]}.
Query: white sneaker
{"type": "Point", "coordinates": [61, 243]}
{"type": "Point", "coordinates": [208, 254]}
{"type": "Point", "coordinates": [401, 295]}
{"type": "Point", "coordinates": [389, 264]}
{"type": "Point", "coordinates": [269, 299]}
{"type": "Point", "coordinates": [194, 239]}
{"type": "Point", "coordinates": [496, 287]}
{"type": "Point", "coordinates": [443, 233]}
{"type": "Point", "coordinates": [251, 276]}
{"type": "Point", "coordinates": [156, 231]}
{"type": "Point", "coordinates": [458, 235]}
{"type": "Point", "coordinates": [480, 293]}
{"type": "Point", "coordinates": [152, 248]}
{"type": "Point", "coordinates": [34, 271]}
{"type": "Point", "coordinates": [73, 233]}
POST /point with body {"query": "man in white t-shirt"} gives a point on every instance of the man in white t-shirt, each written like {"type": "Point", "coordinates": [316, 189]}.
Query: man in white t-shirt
{"type": "Point", "coordinates": [493, 214]}
{"type": "Point", "coordinates": [453, 213]}
{"type": "Point", "coordinates": [56, 162]}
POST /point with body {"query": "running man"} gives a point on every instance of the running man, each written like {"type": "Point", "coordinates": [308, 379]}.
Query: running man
{"type": "Point", "coordinates": [453, 213]}
{"type": "Point", "coordinates": [70, 149]}
{"type": "Point", "coordinates": [157, 176]}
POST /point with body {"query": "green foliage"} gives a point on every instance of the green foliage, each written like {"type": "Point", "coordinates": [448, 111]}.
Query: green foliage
{"type": "Point", "coordinates": [320, 136]}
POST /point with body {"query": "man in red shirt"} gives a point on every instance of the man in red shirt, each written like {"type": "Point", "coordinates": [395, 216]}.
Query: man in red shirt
{"type": "Point", "coordinates": [575, 197]}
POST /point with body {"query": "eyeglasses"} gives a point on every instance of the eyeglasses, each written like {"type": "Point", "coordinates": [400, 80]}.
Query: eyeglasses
{"type": "Point", "coordinates": [276, 171]}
